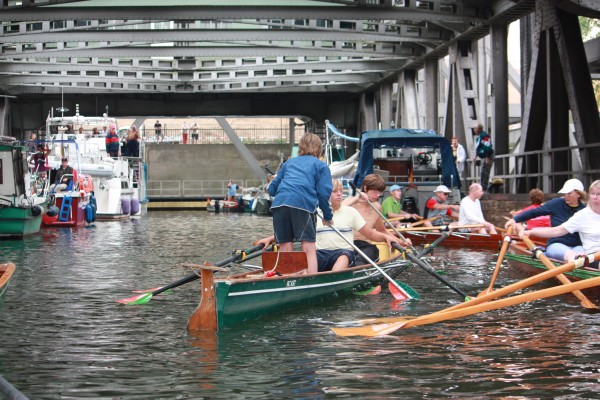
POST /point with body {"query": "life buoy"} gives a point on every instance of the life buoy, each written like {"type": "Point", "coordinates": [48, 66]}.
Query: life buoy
{"type": "Point", "coordinates": [85, 183]}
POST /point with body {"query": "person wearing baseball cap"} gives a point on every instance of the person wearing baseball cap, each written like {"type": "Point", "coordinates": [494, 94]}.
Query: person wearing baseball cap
{"type": "Point", "coordinates": [560, 209]}
{"type": "Point", "coordinates": [391, 208]}
{"type": "Point", "coordinates": [584, 222]}
{"type": "Point", "coordinates": [437, 208]}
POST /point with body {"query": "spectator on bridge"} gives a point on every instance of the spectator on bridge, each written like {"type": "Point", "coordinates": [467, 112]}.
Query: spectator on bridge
{"type": "Point", "coordinates": [460, 156]}
{"type": "Point", "coordinates": [194, 130]}
{"type": "Point", "coordinates": [560, 210]}
{"type": "Point", "coordinates": [185, 131]}
{"type": "Point", "coordinates": [484, 150]}
{"type": "Point", "coordinates": [158, 131]}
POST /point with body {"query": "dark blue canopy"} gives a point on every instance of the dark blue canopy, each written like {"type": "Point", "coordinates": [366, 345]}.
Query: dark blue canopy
{"type": "Point", "coordinates": [407, 138]}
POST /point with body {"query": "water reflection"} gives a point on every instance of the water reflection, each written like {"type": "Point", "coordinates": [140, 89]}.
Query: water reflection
{"type": "Point", "coordinates": [64, 336]}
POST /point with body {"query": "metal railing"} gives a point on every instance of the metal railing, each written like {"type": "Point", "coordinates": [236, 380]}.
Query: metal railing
{"type": "Point", "coordinates": [188, 189]}
{"type": "Point", "coordinates": [248, 135]}
{"type": "Point", "coordinates": [545, 169]}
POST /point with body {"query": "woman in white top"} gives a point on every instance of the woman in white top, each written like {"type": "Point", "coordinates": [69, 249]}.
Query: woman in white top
{"type": "Point", "coordinates": [586, 222]}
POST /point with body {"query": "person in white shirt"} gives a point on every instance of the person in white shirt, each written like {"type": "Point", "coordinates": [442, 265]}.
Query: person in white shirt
{"type": "Point", "coordinates": [586, 222]}
{"type": "Point", "coordinates": [470, 211]}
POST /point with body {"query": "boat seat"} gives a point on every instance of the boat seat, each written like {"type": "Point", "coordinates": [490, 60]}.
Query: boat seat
{"type": "Point", "coordinates": [286, 262]}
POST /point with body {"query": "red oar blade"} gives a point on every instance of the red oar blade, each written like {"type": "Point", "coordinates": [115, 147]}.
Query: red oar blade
{"type": "Point", "coordinates": [371, 291]}
{"type": "Point", "coordinates": [139, 299]}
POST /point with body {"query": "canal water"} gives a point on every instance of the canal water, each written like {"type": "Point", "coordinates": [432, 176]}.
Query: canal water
{"type": "Point", "coordinates": [63, 336]}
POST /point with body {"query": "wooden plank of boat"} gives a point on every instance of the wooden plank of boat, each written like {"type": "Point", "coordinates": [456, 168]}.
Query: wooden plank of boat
{"type": "Point", "coordinates": [521, 258]}
{"type": "Point", "coordinates": [234, 299]}
{"type": "Point", "coordinates": [6, 272]}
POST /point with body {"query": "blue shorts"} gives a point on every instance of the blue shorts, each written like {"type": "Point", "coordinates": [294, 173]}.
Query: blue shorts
{"type": "Point", "coordinates": [558, 250]}
{"type": "Point", "coordinates": [326, 258]}
{"type": "Point", "coordinates": [294, 225]}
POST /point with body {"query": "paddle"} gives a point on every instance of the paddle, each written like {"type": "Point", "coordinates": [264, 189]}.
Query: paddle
{"type": "Point", "coordinates": [387, 328]}
{"type": "Point", "coordinates": [400, 294]}
{"type": "Point", "coordinates": [539, 254]}
{"type": "Point", "coordinates": [499, 261]}
{"type": "Point", "coordinates": [239, 255]}
{"type": "Point", "coordinates": [424, 265]}
{"type": "Point", "coordinates": [442, 228]}
{"type": "Point", "coordinates": [494, 294]}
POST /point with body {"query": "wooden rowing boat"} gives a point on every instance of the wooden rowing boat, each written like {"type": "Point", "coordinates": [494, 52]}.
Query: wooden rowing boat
{"type": "Point", "coordinates": [6, 272]}
{"type": "Point", "coordinates": [280, 285]}
{"type": "Point", "coordinates": [521, 258]}
{"type": "Point", "coordinates": [456, 239]}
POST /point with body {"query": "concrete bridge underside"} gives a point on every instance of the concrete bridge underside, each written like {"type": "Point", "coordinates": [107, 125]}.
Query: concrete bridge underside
{"type": "Point", "coordinates": [448, 94]}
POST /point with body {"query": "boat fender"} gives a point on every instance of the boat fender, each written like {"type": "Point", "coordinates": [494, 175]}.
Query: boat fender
{"type": "Point", "coordinates": [89, 214]}
{"type": "Point", "coordinates": [94, 205]}
{"type": "Point", "coordinates": [36, 210]}
{"type": "Point", "coordinates": [49, 219]}
{"type": "Point", "coordinates": [52, 211]}
{"type": "Point", "coordinates": [125, 205]}
{"type": "Point", "coordinates": [254, 204]}
{"type": "Point", "coordinates": [135, 206]}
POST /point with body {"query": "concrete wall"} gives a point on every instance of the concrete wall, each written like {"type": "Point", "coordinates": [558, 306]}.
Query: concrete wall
{"type": "Point", "coordinates": [208, 162]}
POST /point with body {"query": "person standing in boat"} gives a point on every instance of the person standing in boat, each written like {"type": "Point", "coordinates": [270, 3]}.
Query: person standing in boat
{"type": "Point", "coordinates": [470, 211]}
{"type": "Point", "coordinates": [112, 141]}
{"type": "Point", "coordinates": [437, 208]}
{"type": "Point", "coordinates": [584, 222]}
{"type": "Point", "coordinates": [132, 145]}
{"type": "Point", "coordinates": [560, 210]}
{"type": "Point", "coordinates": [301, 185]}
{"type": "Point", "coordinates": [333, 252]}
{"type": "Point", "coordinates": [231, 190]}
{"type": "Point", "coordinates": [64, 176]}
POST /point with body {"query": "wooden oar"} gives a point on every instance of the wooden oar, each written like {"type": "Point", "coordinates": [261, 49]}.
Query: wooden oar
{"type": "Point", "coordinates": [435, 228]}
{"type": "Point", "coordinates": [387, 328]}
{"type": "Point", "coordinates": [498, 261]}
{"type": "Point", "coordinates": [400, 294]}
{"type": "Point", "coordinates": [522, 284]}
{"type": "Point", "coordinates": [423, 264]}
{"type": "Point", "coordinates": [539, 254]}
{"type": "Point", "coordinates": [239, 255]}
{"type": "Point", "coordinates": [422, 221]}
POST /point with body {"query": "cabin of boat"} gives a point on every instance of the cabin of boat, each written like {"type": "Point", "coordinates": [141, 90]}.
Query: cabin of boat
{"type": "Point", "coordinates": [411, 158]}
{"type": "Point", "coordinates": [120, 184]}
{"type": "Point", "coordinates": [20, 211]}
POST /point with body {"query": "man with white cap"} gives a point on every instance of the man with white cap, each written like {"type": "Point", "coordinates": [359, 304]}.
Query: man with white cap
{"type": "Point", "coordinates": [391, 208]}
{"type": "Point", "coordinates": [470, 211]}
{"type": "Point", "coordinates": [559, 209]}
{"type": "Point", "coordinates": [438, 207]}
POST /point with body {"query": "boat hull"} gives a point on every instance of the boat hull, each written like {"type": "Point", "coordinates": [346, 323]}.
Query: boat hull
{"type": "Point", "coordinates": [239, 300]}
{"type": "Point", "coordinates": [456, 239]}
{"type": "Point", "coordinates": [520, 258]}
{"type": "Point", "coordinates": [75, 215]}
{"type": "Point", "coordinates": [6, 272]}
{"type": "Point", "coordinates": [17, 222]}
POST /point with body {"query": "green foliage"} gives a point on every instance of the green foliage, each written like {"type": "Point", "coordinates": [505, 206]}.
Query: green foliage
{"type": "Point", "coordinates": [590, 28]}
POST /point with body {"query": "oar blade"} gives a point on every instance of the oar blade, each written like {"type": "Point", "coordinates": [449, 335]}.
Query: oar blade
{"type": "Point", "coordinates": [369, 330]}
{"type": "Point", "coordinates": [407, 291]}
{"type": "Point", "coordinates": [371, 291]}
{"type": "Point", "coordinates": [139, 299]}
